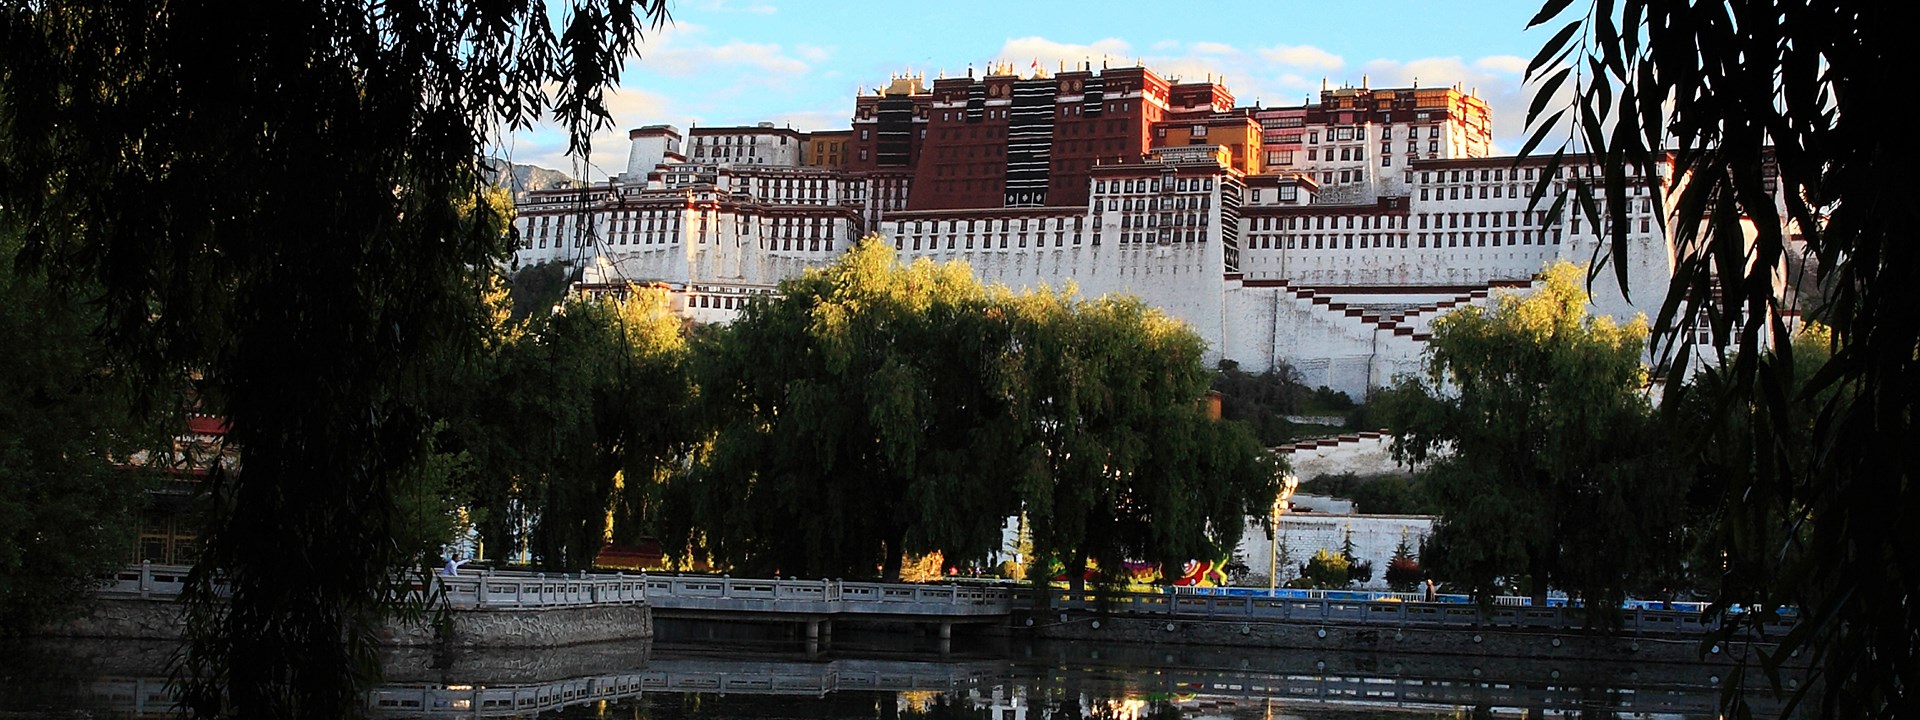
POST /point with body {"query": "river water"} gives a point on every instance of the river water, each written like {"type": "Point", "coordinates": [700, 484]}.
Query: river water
{"type": "Point", "coordinates": [890, 677]}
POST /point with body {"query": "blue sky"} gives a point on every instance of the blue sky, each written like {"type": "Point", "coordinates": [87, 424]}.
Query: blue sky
{"type": "Point", "coordinates": [729, 62]}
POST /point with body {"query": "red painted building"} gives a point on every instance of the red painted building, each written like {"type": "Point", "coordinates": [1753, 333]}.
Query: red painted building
{"type": "Point", "coordinates": [1004, 140]}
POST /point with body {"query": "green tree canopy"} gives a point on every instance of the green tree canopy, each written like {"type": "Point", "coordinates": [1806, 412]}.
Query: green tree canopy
{"type": "Point", "coordinates": [860, 415]}
{"type": "Point", "coordinates": [1775, 119]}
{"type": "Point", "coordinates": [576, 422]}
{"type": "Point", "coordinates": [66, 513]}
{"type": "Point", "coordinates": [1541, 455]}
{"type": "Point", "coordinates": [270, 198]}
{"type": "Point", "coordinates": [875, 409]}
{"type": "Point", "coordinates": [1123, 463]}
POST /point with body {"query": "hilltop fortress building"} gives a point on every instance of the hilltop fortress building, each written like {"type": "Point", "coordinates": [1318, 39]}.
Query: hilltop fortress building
{"type": "Point", "coordinates": [1326, 236]}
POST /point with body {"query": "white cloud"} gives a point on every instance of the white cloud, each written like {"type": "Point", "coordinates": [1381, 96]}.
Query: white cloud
{"type": "Point", "coordinates": [631, 107]}
{"type": "Point", "coordinates": [1188, 68]}
{"type": "Point", "coordinates": [811, 120]}
{"type": "Point", "coordinates": [1496, 79]}
{"type": "Point", "coordinates": [813, 53]}
{"type": "Point", "coordinates": [1302, 56]}
{"type": "Point", "coordinates": [1251, 76]}
{"type": "Point", "coordinates": [1022, 52]}
{"type": "Point", "coordinates": [685, 49]}
{"type": "Point", "coordinates": [545, 144]}
{"type": "Point", "coordinates": [1510, 64]}
{"type": "Point", "coordinates": [703, 60]}
{"type": "Point", "coordinates": [1214, 48]}
{"type": "Point", "coordinates": [674, 31]}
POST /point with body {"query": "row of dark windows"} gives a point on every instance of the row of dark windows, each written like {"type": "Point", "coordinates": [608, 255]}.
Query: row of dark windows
{"type": "Point", "coordinates": [1347, 241]}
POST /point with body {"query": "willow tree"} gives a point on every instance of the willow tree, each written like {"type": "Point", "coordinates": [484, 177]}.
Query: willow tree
{"type": "Point", "coordinates": [67, 515]}
{"type": "Point", "coordinates": [1776, 113]}
{"type": "Point", "coordinates": [269, 200]}
{"type": "Point", "coordinates": [1122, 463]}
{"type": "Point", "coordinates": [858, 416]}
{"type": "Point", "coordinates": [579, 418]}
{"type": "Point", "coordinates": [1539, 448]}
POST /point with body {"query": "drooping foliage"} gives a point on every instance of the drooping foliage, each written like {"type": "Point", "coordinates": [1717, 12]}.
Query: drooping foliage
{"type": "Point", "coordinates": [67, 514]}
{"type": "Point", "coordinates": [1793, 166]}
{"type": "Point", "coordinates": [1539, 449]}
{"type": "Point", "coordinates": [875, 410]}
{"type": "Point", "coordinates": [860, 416]}
{"type": "Point", "coordinates": [579, 419]}
{"type": "Point", "coordinates": [1719, 444]}
{"type": "Point", "coordinates": [1123, 463]}
{"type": "Point", "coordinates": [269, 196]}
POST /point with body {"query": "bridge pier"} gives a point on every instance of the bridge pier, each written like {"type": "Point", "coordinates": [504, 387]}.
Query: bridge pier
{"type": "Point", "coordinates": [819, 634]}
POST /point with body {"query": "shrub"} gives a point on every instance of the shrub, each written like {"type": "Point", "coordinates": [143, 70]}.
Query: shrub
{"type": "Point", "coordinates": [1326, 570]}
{"type": "Point", "coordinates": [1403, 574]}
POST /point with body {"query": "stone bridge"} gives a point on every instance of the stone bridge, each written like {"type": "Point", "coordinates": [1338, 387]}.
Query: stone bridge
{"type": "Point", "coordinates": [818, 603]}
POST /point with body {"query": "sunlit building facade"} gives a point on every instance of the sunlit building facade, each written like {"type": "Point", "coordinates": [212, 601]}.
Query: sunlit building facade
{"type": "Point", "coordinates": [1326, 236]}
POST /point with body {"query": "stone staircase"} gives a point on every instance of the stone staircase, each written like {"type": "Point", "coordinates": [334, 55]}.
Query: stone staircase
{"type": "Point", "coordinates": [1402, 318]}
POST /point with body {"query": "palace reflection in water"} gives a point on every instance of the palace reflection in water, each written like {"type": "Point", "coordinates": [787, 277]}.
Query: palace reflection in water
{"type": "Point", "coordinates": [885, 679]}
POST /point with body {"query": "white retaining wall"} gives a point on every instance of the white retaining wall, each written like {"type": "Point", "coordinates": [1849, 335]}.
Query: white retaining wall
{"type": "Point", "coordinates": [1298, 536]}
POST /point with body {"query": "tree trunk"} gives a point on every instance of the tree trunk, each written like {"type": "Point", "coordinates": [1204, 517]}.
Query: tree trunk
{"type": "Point", "coordinates": [1077, 572]}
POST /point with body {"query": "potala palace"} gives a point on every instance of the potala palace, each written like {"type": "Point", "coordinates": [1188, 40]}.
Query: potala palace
{"type": "Point", "coordinates": [1326, 236]}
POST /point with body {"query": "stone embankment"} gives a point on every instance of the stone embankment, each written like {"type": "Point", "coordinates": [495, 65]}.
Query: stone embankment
{"type": "Point", "coordinates": [468, 611]}
{"type": "Point", "coordinates": [164, 619]}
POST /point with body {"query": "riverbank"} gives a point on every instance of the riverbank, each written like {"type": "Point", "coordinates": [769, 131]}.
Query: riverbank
{"type": "Point", "coordinates": [164, 620]}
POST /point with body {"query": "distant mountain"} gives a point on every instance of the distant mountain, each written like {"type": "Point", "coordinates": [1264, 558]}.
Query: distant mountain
{"type": "Point", "coordinates": [521, 179]}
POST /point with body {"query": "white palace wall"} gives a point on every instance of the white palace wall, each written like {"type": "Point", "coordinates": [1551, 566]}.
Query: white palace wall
{"type": "Point", "coordinates": [1320, 522]}
{"type": "Point", "coordinates": [1345, 294]}
{"type": "Point", "coordinates": [1182, 280]}
{"type": "Point", "coordinates": [1365, 453]}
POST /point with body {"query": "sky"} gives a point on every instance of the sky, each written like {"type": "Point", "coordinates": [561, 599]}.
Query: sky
{"type": "Point", "coordinates": [799, 63]}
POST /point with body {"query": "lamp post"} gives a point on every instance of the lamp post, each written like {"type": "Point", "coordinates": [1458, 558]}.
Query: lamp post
{"type": "Point", "coordinates": [1273, 551]}
{"type": "Point", "coordinates": [1288, 482]}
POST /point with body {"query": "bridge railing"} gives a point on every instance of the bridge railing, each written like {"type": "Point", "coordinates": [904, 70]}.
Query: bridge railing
{"type": "Point", "coordinates": [825, 596]}
{"type": "Point", "coordinates": [538, 590]}
{"type": "Point", "coordinates": [469, 590]}
{"type": "Point", "coordinates": [510, 589]}
{"type": "Point", "coordinates": [1386, 612]}
{"type": "Point", "coordinates": [146, 581]}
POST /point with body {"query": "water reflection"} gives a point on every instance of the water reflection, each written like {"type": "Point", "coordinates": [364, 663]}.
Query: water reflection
{"type": "Point", "coordinates": [883, 679]}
